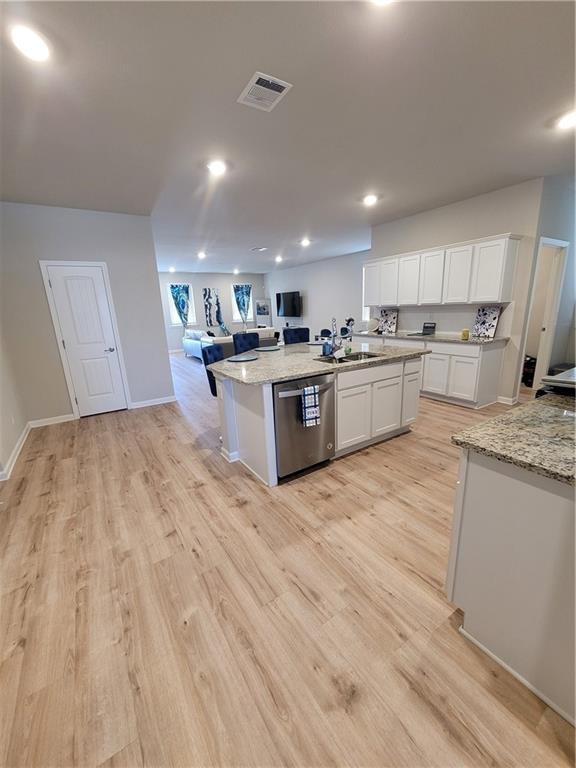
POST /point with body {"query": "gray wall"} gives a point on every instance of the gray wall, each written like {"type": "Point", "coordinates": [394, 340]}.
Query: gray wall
{"type": "Point", "coordinates": [513, 209]}
{"type": "Point", "coordinates": [329, 288]}
{"type": "Point", "coordinates": [30, 233]}
{"type": "Point", "coordinates": [557, 221]}
{"type": "Point", "coordinates": [198, 281]}
{"type": "Point", "coordinates": [12, 417]}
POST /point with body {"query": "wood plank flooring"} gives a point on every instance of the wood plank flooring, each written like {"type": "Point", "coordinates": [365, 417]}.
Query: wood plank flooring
{"type": "Point", "coordinates": [160, 607]}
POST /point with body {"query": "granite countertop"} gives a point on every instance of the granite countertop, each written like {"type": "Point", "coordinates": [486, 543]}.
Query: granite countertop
{"type": "Point", "coordinates": [537, 436]}
{"type": "Point", "coordinates": [294, 361]}
{"type": "Point", "coordinates": [453, 338]}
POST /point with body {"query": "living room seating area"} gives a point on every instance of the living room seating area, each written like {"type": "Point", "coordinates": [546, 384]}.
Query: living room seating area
{"type": "Point", "coordinates": [195, 340]}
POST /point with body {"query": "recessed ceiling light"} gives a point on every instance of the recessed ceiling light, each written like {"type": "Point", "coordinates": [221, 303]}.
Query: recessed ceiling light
{"type": "Point", "coordinates": [30, 43]}
{"type": "Point", "coordinates": [259, 248]}
{"type": "Point", "coordinates": [278, 259]}
{"type": "Point", "coordinates": [305, 242]}
{"type": "Point", "coordinates": [171, 269]}
{"type": "Point", "coordinates": [201, 255]}
{"type": "Point", "coordinates": [382, 2]}
{"type": "Point", "coordinates": [236, 271]}
{"type": "Point", "coordinates": [370, 200]}
{"type": "Point", "coordinates": [217, 167]}
{"type": "Point", "coordinates": [567, 121]}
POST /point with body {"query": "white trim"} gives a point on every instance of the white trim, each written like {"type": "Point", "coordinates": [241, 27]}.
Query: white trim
{"type": "Point", "coordinates": [7, 471]}
{"type": "Point", "coordinates": [155, 401]}
{"type": "Point", "coordinates": [44, 265]}
{"type": "Point", "coordinates": [231, 456]}
{"type": "Point", "coordinates": [519, 677]}
{"type": "Point", "coordinates": [507, 400]}
{"type": "Point", "coordinates": [51, 420]}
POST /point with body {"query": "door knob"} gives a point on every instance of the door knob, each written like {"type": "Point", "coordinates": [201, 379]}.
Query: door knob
{"type": "Point", "coordinates": [110, 349]}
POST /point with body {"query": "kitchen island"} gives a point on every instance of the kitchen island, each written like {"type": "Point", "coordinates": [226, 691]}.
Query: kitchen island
{"type": "Point", "coordinates": [511, 566]}
{"type": "Point", "coordinates": [363, 400]}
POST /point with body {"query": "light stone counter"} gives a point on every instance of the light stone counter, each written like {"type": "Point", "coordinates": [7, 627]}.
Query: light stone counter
{"type": "Point", "coordinates": [453, 338]}
{"type": "Point", "coordinates": [537, 436]}
{"type": "Point", "coordinates": [295, 361]}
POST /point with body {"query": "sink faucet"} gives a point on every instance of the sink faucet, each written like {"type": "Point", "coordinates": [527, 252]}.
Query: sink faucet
{"type": "Point", "coordinates": [336, 339]}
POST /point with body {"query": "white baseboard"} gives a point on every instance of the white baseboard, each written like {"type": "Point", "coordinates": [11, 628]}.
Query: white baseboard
{"type": "Point", "coordinates": [519, 677]}
{"type": "Point", "coordinates": [508, 400]}
{"type": "Point", "coordinates": [7, 471]}
{"type": "Point", "coordinates": [156, 401]}
{"type": "Point", "coordinates": [51, 420]}
{"type": "Point", "coordinates": [230, 456]}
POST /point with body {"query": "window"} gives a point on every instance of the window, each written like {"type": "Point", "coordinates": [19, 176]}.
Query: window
{"type": "Point", "coordinates": [174, 316]}
{"type": "Point", "coordinates": [235, 314]}
{"type": "Point", "coordinates": [366, 313]}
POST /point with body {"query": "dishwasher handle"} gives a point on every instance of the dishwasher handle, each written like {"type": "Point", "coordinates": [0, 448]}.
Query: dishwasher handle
{"type": "Point", "coordinates": [298, 392]}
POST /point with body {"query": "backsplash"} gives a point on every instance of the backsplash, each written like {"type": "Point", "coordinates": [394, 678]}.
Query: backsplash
{"type": "Point", "coordinates": [448, 319]}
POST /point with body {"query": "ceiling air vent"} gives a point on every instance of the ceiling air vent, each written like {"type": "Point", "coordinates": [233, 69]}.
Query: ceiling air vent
{"type": "Point", "coordinates": [263, 92]}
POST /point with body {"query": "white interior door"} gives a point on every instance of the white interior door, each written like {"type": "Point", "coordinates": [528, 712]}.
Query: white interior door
{"type": "Point", "coordinates": [555, 277]}
{"type": "Point", "coordinates": [82, 306]}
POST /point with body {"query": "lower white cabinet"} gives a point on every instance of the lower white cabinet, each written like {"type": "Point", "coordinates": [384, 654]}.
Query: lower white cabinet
{"type": "Point", "coordinates": [386, 406]}
{"type": "Point", "coordinates": [354, 422]}
{"type": "Point", "coordinates": [463, 377]}
{"type": "Point", "coordinates": [436, 368]}
{"type": "Point", "coordinates": [410, 398]}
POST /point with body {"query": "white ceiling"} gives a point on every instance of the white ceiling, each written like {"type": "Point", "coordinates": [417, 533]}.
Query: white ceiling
{"type": "Point", "coordinates": [424, 103]}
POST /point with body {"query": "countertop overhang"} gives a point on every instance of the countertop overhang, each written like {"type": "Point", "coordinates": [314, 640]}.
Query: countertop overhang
{"type": "Point", "coordinates": [295, 361]}
{"type": "Point", "coordinates": [537, 436]}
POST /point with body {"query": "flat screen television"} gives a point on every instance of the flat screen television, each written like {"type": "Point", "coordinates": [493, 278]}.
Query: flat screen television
{"type": "Point", "coordinates": [289, 304]}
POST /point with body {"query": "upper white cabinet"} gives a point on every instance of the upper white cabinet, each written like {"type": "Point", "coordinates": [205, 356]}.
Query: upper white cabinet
{"type": "Point", "coordinates": [372, 284]}
{"type": "Point", "coordinates": [408, 279]}
{"type": "Point", "coordinates": [493, 267]}
{"type": "Point", "coordinates": [431, 275]}
{"type": "Point", "coordinates": [380, 283]}
{"type": "Point", "coordinates": [457, 271]}
{"type": "Point", "coordinates": [389, 283]}
{"type": "Point", "coordinates": [473, 273]}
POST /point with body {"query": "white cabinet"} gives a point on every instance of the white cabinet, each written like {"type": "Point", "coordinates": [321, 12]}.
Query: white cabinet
{"type": "Point", "coordinates": [386, 405]}
{"type": "Point", "coordinates": [436, 367]}
{"type": "Point", "coordinates": [380, 283]}
{"type": "Point", "coordinates": [457, 271]}
{"type": "Point", "coordinates": [463, 377]}
{"type": "Point", "coordinates": [408, 278]}
{"type": "Point", "coordinates": [493, 271]}
{"type": "Point", "coordinates": [410, 398]}
{"type": "Point", "coordinates": [431, 275]}
{"type": "Point", "coordinates": [372, 285]}
{"type": "Point", "coordinates": [389, 283]}
{"type": "Point", "coordinates": [354, 419]}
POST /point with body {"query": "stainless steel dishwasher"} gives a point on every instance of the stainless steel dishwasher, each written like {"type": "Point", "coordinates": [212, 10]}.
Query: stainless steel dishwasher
{"type": "Point", "coordinates": [298, 446]}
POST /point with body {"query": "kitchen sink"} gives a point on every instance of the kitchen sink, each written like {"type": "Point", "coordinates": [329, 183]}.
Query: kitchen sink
{"type": "Point", "coordinates": [352, 357]}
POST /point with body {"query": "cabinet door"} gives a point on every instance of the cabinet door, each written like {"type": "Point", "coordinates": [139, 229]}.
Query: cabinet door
{"type": "Point", "coordinates": [371, 285]}
{"type": "Point", "coordinates": [410, 398]}
{"type": "Point", "coordinates": [389, 283]}
{"type": "Point", "coordinates": [354, 416]}
{"type": "Point", "coordinates": [386, 405]}
{"type": "Point", "coordinates": [463, 377]}
{"type": "Point", "coordinates": [436, 373]}
{"type": "Point", "coordinates": [487, 271]}
{"type": "Point", "coordinates": [457, 271]}
{"type": "Point", "coordinates": [431, 276]}
{"type": "Point", "coordinates": [408, 277]}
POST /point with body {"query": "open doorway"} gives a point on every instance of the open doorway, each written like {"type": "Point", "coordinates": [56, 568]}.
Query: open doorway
{"type": "Point", "coordinates": [548, 334]}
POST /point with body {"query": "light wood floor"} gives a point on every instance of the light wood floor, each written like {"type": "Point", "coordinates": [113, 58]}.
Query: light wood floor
{"type": "Point", "coordinates": [160, 607]}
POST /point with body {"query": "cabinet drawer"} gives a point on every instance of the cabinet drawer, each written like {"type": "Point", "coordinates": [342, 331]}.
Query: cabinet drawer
{"type": "Point", "coordinates": [348, 379]}
{"type": "Point", "coordinates": [412, 366]}
{"type": "Point", "coordinates": [446, 348]}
